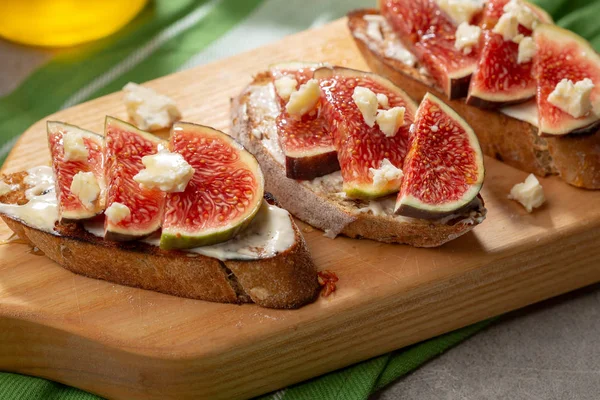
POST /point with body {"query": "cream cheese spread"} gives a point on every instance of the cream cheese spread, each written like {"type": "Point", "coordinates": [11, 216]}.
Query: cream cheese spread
{"type": "Point", "coordinates": [527, 112]}
{"type": "Point", "coordinates": [41, 211]}
{"type": "Point", "coordinates": [270, 232]}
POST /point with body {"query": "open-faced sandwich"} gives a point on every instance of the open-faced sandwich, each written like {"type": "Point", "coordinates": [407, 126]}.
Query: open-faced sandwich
{"type": "Point", "coordinates": [351, 153]}
{"type": "Point", "coordinates": [187, 217]}
{"type": "Point", "coordinates": [529, 89]}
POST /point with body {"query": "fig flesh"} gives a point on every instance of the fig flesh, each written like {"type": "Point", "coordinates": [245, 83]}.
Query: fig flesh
{"type": "Point", "coordinates": [430, 34]}
{"type": "Point", "coordinates": [360, 147]}
{"type": "Point", "coordinates": [125, 145]}
{"type": "Point", "coordinates": [561, 54]}
{"type": "Point", "coordinates": [500, 79]}
{"type": "Point", "coordinates": [222, 197]}
{"type": "Point", "coordinates": [443, 170]}
{"type": "Point", "coordinates": [305, 141]}
{"type": "Point", "coordinates": [70, 205]}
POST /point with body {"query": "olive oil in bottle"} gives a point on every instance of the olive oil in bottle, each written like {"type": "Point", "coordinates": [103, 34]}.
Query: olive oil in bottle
{"type": "Point", "coordinates": [61, 23]}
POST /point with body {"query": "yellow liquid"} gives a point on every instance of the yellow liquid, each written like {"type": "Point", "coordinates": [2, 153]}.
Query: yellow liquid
{"type": "Point", "coordinates": [60, 23]}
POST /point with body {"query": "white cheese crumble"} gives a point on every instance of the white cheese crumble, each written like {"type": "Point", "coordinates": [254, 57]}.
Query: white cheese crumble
{"type": "Point", "coordinates": [85, 186]}
{"type": "Point", "coordinates": [507, 26]}
{"type": "Point", "coordinates": [41, 211]}
{"type": "Point", "coordinates": [74, 147]}
{"type": "Point", "coordinates": [378, 34]}
{"type": "Point", "coordinates": [386, 172]}
{"type": "Point", "coordinates": [285, 86]}
{"type": "Point", "coordinates": [383, 100]}
{"type": "Point", "coordinates": [374, 23]}
{"type": "Point", "coordinates": [467, 36]}
{"type": "Point", "coordinates": [117, 212]}
{"type": "Point", "coordinates": [574, 99]}
{"type": "Point", "coordinates": [5, 188]}
{"type": "Point", "coordinates": [395, 50]}
{"type": "Point", "coordinates": [391, 120]}
{"type": "Point", "coordinates": [522, 13]}
{"type": "Point", "coordinates": [366, 101]}
{"type": "Point", "coordinates": [166, 171]}
{"type": "Point", "coordinates": [148, 109]}
{"type": "Point", "coordinates": [304, 99]}
{"type": "Point", "coordinates": [526, 50]}
{"type": "Point", "coordinates": [461, 10]}
{"type": "Point", "coordinates": [529, 193]}
{"type": "Point", "coordinates": [517, 39]}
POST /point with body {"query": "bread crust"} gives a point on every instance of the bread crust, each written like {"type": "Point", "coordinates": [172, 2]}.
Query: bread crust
{"type": "Point", "coordinates": [287, 280]}
{"type": "Point", "coordinates": [575, 158]}
{"type": "Point", "coordinates": [327, 211]}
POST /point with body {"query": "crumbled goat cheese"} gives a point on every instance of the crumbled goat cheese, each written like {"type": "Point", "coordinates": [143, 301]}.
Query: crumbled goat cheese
{"type": "Point", "coordinates": [304, 99]}
{"type": "Point", "coordinates": [285, 86]}
{"type": "Point", "coordinates": [391, 120]}
{"type": "Point", "coordinates": [507, 26]}
{"type": "Point", "coordinates": [529, 193]}
{"type": "Point", "coordinates": [148, 109]}
{"type": "Point", "coordinates": [461, 10]}
{"type": "Point", "coordinates": [117, 212]}
{"type": "Point", "coordinates": [165, 171]}
{"type": "Point", "coordinates": [467, 36]}
{"type": "Point", "coordinates": [366, 101]}
{"type": "Point", "coordinates": [526, 50]}
{"type": "Point", "coordinates": [85, 186]}
{"type": "Point", "coordinates": [574, 99]}
{"type": "Point", "coordinates": [74, 147]}
{"type": "Point", "coordinates": [386, 173]}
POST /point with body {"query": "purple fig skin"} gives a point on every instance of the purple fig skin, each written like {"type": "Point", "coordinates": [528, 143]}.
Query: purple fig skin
{"type": "Point", "coordinates": [121, 237]}
{"type": "Point", "coordinates": [459, 88]}
{"type": "Point", "coordinates": [413, 212]}
{"type": "Point", "coordinates": [307, 168]}
{"type": "Point", "coordinates": [586, 130]}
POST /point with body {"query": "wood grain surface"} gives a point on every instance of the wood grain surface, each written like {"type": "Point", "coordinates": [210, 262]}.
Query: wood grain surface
{"type": "Point", "coordinates": [127, 343]}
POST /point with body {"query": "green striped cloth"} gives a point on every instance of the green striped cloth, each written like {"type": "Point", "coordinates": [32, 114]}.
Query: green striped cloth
{"type": "Point", "coordinates": [171, 35]}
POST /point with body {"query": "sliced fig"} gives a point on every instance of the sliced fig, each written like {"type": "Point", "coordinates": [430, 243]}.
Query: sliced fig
{"type": "Point", "coordinates": [431, 34]}
{"type": "Point", "coordinates": [85, 157]}
{"type": "Point", "coordinates": [222, 197]}
{"type": "Point", "coordinates": [561, 54]}
{"type": "Point", "coordinates": [443, 170]}
{"type": "Point", "coordinates": [499, 79]}
{"type": "Point", "coordinates": [305, 141]}
{"type": "Point", "coordinates": [307, 145]}
{"type": "Point", "coordinates": [125, 145]}
{"type": "Point", "coordinates": [360, 147]}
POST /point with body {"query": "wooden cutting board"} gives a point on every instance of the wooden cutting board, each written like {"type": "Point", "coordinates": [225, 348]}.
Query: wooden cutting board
{"type": "Point", "coordinates": [127, 343]}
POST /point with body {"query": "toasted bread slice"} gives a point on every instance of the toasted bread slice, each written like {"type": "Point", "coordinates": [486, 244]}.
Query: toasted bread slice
{"type": "Point", "coordinates": [575, 157]}
{"type": "Point", "coordinates": [320, 202]}
{"type": "Point", "coordinates": [286, 280]}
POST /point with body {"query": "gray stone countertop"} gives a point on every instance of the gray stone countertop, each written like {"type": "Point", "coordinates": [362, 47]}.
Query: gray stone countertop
{"type": "Point", "coordinates": [548, 351]}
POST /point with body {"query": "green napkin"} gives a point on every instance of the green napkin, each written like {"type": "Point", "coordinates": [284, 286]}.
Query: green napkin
{"type": "Point", "coordinates": [173, 34]}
